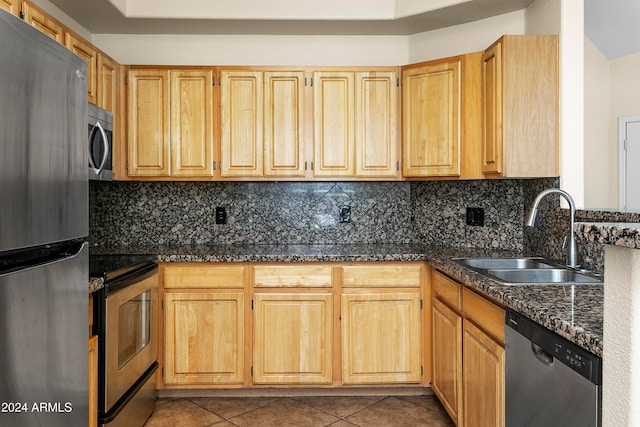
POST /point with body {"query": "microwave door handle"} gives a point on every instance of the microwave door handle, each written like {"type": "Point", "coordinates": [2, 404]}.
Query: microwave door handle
{"type": "Point", "coordinates": [105, 146]}
{"type": "Point", "coordinates": [92, 163]}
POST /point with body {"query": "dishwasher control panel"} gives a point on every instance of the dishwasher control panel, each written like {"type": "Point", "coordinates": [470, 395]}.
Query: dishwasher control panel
{"type": "Point", "coordinates": [556, 347]}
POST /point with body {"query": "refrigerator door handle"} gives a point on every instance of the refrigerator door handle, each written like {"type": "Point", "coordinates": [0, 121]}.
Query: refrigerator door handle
{"type": "Point", "coordinates": [53, 258]}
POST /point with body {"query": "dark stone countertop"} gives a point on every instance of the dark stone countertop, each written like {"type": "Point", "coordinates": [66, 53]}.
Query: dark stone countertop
{"type": "Point", "coordinates": [574, 312]}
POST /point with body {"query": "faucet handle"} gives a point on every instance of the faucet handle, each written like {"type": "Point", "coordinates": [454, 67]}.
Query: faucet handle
{"type": "Point", "coordinates": [565, 243]}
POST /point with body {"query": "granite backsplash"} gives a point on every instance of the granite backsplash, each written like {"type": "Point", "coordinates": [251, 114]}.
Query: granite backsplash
{"type": "Point", "coordinates": [431, 212]}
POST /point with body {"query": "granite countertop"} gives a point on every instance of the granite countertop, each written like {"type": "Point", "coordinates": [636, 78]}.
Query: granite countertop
{"type": "Point", "coordinates": [573, 312]}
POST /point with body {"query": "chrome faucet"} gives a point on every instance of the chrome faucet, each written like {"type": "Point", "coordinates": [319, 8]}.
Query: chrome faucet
{"type": "Point", "coordinates": [572, 247]}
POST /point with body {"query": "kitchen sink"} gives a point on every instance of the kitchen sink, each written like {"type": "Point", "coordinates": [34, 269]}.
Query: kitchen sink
{"type": "Point", "coordinates": [543, 275]}
{"type": "Point", "coordinates": [528, 271]}
{"type": "Point", "coordinates": [495, 263]}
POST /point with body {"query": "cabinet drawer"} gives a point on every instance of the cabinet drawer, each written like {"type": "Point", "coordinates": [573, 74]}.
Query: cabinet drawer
{"type": "Point", "coordinates": [446, 290]}
{"type": "Point", "coordinates": [388, 276]}
{"type": "Point", "coordinates": [205, 276]}
{"type": "Point", "coordinates": [483, 313]}
{"type": "Point", "coordinates": [296, 276]}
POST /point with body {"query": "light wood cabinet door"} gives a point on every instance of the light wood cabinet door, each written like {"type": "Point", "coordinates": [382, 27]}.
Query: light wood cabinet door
{"type": "Point", "coordinates": [292, 338]}
{"type": "Point", "coordinates": [483, 379]}
{"type": "Point", "coordinates": [241, 123]}
{"type": "Point", "coordinates": [12, 6]}
{"type": "Point", "coordinates": [492, 157]}
{"type": "Point", "coordinates": [204, 338]}
{"type": "Point", "coordinates": [191, 123]}
{"type": "Point", "coordinates": [381, 338]}
{"type": "Point", "coordinates": [107, 86]}
{"type": "Point", "coordinates": [447, 358]}
{"type": "Point", "coordinates": [148, 123]}
{"type": "Point", "coordinates": [376, 133]}
{"type": "Point", "coordinates": [89, 53]}
{"type": "Point", "coordinates": [334, 122]}
{"type": "Point", "coordinates": [93, 381]}
{"type": "Point", "coordinates": [42, 21]}
{"type": "Point", "coordinates": [520, 107]}
{"type": "Point", "coordinates": [284, 124]}
{"type": "Point", "coordinates": [431, 120]}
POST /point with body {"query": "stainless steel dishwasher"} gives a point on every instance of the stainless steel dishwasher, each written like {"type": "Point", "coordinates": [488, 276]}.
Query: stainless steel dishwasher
{"type": "Point", "coordinates": [549, 381]}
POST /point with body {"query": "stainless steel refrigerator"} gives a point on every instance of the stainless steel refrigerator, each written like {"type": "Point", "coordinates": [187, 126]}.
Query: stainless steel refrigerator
{"type": "Point", "coordinates": [43, 229]}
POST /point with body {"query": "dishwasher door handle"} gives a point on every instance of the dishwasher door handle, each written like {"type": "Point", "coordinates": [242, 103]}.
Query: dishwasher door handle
{"type": "Point", "coordinates": [541, 355]}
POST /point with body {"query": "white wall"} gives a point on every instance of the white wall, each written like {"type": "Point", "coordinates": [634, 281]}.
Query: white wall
{"type": "Point", "coordinates": [254, 49]}
{"type": "Point", "coordinates": [465, 38]}
{"type": "Point", "coordinates": [572, 173]}
{"type": "Point", "coordinates": [63, 17]}
{"type": "Point", "coordinates": [599, 160]}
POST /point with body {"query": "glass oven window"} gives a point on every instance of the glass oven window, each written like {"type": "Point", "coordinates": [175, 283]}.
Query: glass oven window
{"type": "Point", "coordinates": [134, 327]}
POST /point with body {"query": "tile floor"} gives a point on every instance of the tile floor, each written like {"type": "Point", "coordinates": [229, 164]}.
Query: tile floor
{"type": "Point", "coordinates": [375, 411]}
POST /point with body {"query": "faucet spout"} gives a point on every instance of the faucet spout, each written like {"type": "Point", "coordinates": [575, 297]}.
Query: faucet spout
{"type": "Point", "coordinates": [572, 247]}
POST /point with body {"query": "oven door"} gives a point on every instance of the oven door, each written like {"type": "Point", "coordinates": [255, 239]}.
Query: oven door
{"type": "Point", "coordinates": [131, 336]}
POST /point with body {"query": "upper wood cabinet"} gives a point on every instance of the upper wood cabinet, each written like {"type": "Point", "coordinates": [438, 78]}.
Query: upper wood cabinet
{"type": "Point", "coordinates": [107, 84]}
{"type": "Point", "coordinates": [12, 6]}
{"type": "Point", "coordinates": [191, 123]}
{"type": "Point", "coordinates": [520, 107]}
{"type": "Point", "coordinates": [170, 123]}
{"type": "Point", "coordinates": [262, 123]}
{"type": "Point", "coordinates": [431, 119]}
{"type": "Point", "coordinates": [38, 18]}
{"type": "Point", "coordinates": [355, 124]}
{"type": "Point", "coordinates": [284, 124]}
{"type": "Point", "coordinates": [148, 125]}
{"type": "Point", "coordinates": [241, 123]}
{"type": "Point", "coordinates": [89, 53]}
{"type": "Point", "coordinates": [441, 127]}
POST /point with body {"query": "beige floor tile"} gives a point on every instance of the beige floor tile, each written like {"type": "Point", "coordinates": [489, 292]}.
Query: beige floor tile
{"type": "Point", "coordinates": [341, 423]}
{"type": "Point", "coordinates": [341, 406]}
{"type": "Point", "coordinates": [284, 412]}
{"type": "Point", "coordinates": [228, 407]}
{"type": "Point", "coordinates": [429, 402]}
{"type": "Point", "coordinates": [181, 412]}
{"type": "Point", "coordinates": [396, 412]}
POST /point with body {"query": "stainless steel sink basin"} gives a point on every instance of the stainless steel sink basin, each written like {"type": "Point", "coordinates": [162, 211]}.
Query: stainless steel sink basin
{"type": "Point", "coordinates": [528, 271]}
{"type": "Point", "coordinates": [543, 276]}
{"type": "Point", "coordinates": [494, 263]}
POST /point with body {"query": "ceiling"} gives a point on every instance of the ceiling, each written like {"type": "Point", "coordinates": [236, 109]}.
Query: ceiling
{"type": "Point", "coordinates": [613, 26]}
{"type": "Point", "coordinates": [102, 17]}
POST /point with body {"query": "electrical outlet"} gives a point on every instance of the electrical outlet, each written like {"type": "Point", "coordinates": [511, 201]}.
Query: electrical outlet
{"type": "Point", "coordinates": [345, 214]}
{"type": "Point", "coordinates": [475, 217]}
{"type": "Point", "coordinates": [221, 215]}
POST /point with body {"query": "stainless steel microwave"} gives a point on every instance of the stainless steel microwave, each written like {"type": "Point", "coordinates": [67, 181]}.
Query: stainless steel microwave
{"type": "Point", "coordinates": [100, 143]}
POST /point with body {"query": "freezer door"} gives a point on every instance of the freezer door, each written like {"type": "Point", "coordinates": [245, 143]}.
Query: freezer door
{"type": "Point", "coordinates": [43, 113]}
{"type": "Point", "coordinates": [43, 331]}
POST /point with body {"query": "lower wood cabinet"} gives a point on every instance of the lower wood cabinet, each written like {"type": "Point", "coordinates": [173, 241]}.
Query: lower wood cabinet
{"type": "Point", "coordinates": [93, 370]}
{"type": "Point", "coordinates": [482, 378]}
{"type": "Point", "coordinates": [292, 338]}
{"type": "Point", "coordinates": [381, 338]}
{"type": "Point", "coordinates": [204, 338]}
{"type": "Point", "coordinates": [253, 325]}
{"type": "Point", "coordinates": [467, 354]}
{"type": "Point", "coordinates": [447, 358]}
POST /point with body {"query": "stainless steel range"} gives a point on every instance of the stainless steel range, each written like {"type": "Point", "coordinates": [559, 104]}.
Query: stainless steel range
{"type": "Point", "coordinates": [125, 320]}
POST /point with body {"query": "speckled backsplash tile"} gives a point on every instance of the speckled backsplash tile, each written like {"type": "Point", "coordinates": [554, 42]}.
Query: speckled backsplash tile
{"type": "Point", "coordinates": [151, 213]}
{"type": "Point", "coordinates": [440, 212]}
{"type": "Point", "coordinates": [430, 212]}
